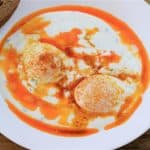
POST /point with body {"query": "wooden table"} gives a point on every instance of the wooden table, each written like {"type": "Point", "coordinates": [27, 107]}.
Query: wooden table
{"type": "Point", "coordinates": [142, 143]}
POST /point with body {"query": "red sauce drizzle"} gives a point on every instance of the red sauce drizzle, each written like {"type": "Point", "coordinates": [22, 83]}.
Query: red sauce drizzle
{"type": "Point", "coordinates": [60, 41]}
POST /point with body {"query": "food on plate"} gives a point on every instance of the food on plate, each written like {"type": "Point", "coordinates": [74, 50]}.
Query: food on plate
{"type": "Point", "coordinates": [99, 93]}
{"type": "Point", "coordinates": [42, 62]}
{"type": "Point", "coordinates": [75, 78]}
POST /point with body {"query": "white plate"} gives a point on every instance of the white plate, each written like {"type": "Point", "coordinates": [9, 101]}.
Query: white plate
{"type": "Point", "coordinates": [136, 14]}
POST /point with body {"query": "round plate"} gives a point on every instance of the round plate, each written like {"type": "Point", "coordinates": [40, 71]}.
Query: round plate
{"type": "Point", "coordinates": [135, 14]}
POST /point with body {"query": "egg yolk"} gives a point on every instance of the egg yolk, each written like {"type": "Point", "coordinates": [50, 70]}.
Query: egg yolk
{"type": "Point", "coordinates": [42, 63]}
{"type": "Point", "coordinates": [98, 94]}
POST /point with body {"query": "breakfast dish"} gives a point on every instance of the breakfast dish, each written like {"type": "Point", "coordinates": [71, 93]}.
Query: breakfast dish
{"type": "Point", "coordinates": [73, 70]}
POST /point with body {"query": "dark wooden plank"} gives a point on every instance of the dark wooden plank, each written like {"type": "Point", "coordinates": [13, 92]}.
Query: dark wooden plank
{"type": "Point", "coordinates": [7, 7]}
{"type": "Point", "coordinates": [148, 1]}
{"type": "Point", "coordinates": [6, 144]}
{"type": "Point", "coordinates": [142, 143]}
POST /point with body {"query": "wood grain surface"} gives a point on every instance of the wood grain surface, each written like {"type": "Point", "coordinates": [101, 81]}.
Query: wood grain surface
{"type": "Point", "coordinates": [7, 7]}
{"type": "Point", "coordinates": [142, 143]}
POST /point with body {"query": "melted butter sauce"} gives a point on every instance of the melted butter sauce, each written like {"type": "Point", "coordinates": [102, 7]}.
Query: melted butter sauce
{"type": "Point", "coordinates": [32, 102]}
{"type": "Point", "coordinates": [66, 106]}
{"type": "Point", "coordinates": [61, 42]}
{"type": "Point", "coordinates": [49, 128]}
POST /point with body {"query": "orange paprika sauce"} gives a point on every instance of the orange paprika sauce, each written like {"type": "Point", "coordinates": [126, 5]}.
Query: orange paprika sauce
{"type": "Point", "coordinates": [32, 102]}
